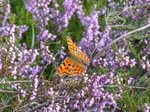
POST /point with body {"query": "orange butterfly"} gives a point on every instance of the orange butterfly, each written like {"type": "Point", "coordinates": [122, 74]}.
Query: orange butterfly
{"type": "Point", "coordinates": [74, 63]}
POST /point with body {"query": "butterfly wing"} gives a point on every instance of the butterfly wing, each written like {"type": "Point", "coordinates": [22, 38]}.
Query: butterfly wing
{"type": "Point", "coordinates": [70, 68]}
{"type": "Point", "coordinates": [75, 50]}
{"type": "Point", "coordinates": [65, 67]}
{"type": "Point", "coordinates": [77, 70]}
{"type": "Point", "coordinates": [72, 48]}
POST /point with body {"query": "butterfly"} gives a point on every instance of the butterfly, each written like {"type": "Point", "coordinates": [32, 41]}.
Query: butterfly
{"type": "Point", "coordinates": [75, 63]}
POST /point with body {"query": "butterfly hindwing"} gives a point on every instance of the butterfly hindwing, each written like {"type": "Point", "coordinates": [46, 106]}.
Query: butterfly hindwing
{"type": "Point", "coordinates": [77, 70]}
{"type": "Point", "coordinates": [70, 68]}
{"type": "Point", "coordinates": [65, 67]}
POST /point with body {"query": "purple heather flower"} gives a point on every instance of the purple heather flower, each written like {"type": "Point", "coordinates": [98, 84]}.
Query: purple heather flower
{"type": "Point", "coordinates": [53, 37]}
{"type": "Point", "coordinates": [95, 62]}
{"type": "Point", "coordinates": [42, 14]}
{"type": "Point", "coordinates": [5, 12]}
{"type": "Point", "coordinates": [148, 73]}
{"type": "Point", "coordinates": [105, 40]}
{"type": "Point", "coordinates": [14, 71]}
{"type": "Point", "coordinates": [62, 57]}
{"type": "Point", "coordinates": [139, 108]}
{"type": "Point", "coordinates": [39, 11]}
{"type": "Point", "coordinates": [130, 80]}
{"type": "Point", "coordinates": [23, 29]}
{"type": "Point", "coordinates": [136, 2]}
{"type": "Point", "coordinates": [143, 65]}
{"type": "Point", "coordinates": [50, 92]}
{"type": "Point", "coordinates": [103, 11]}
{"type": "Point", "coordinates": [109, 0]}
{"type": "Point", "coordinates": [132, 62]}
{"type": "Point", "coordinates": [46, 55]}
{"type": "Point", "coordinates": [35, 82]}
{"type": "Point", "coordinates": [112, 4]}
{"type": "Point", "coordinates": [62, 53]}
{"type": "Point", "coordinates": [148, 20]}
{"type": "Point", "coordinates": [146, 107]}
{"type": "Point", "coordinates": [144, 58]}
{"type": "Point", "coordinates": [35, 70]}
{"type": "Point", "coordinates": [126, 60]}
{"type": "Point", "coordinates": [44, 35]}
{"type": "Point", "coordinates": [111, 74]}
{"type": "Point", "coordinates": [70, 7]}
{"type": "Point", "coordinates": [32, 98]}
{"type": "Point", "coordinates": [147, 0]}
{"type": "Point", "coordinates": [91, 30]}
{"type": "Point", "coordinates": [122, 64]}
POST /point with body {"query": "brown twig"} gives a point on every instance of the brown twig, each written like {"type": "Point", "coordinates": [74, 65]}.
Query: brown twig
{"type": "Point", "coordinates": [24, 81]}
{"type": "Point", "coordinates": [3, 91]}
{"type": "Point", "coordinates": [39, 106]}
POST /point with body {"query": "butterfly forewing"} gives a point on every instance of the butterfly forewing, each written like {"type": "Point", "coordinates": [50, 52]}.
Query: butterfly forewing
{"type": "Point", "coordinates": [76, 51]}
{"type": "Point", "coordinates": [72, 48]}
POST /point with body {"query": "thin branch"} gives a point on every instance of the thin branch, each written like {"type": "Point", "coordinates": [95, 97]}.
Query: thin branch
{"type": "Point", "coordinates": [131, 7]}
{"type": "Point", "coordinates": [39, 106]}
{"type": "Point", "coordinates": [24, 81]}
{"type": "Point", "coordinates": [41, 73]}
{"type": "Point", "coordinates": [5, 106]}
{"type": "Point", "coordinates": [3, 91]}
{"type": "Point", "coordinates": [114, 86]}
{"type": "Point", "coordinates": [126, 9]}
{"type": "Point", "coordinates": [120, 38]}
{"type": "Point", "coordinates": [125, 26]}
{"type": "Point", "coordinates": [10, 82]}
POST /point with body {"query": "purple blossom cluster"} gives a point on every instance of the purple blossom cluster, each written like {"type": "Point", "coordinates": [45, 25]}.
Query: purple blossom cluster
{"type": "Point", "coordinates": [7, 29]}
{"type": "Point", "coordinates": [91, 32]}
{"type": "Point", "coordinates": [92, 97]}
{"type": "Point", "coordinates": [146, 107]}
{"type": "Point", "coordinates": [139, 12]}
{"type": "Point", "coordinates": [70, 7]}
{"type": "Point", "coordinates": [40, 11]}
{"type": "Point", "coordinates": [16, 60]}
{"type": "Point", "coordinates": [115, 60]}
{"type": "Point", "coordinates": [41, 14]}
{"type": "Point", "coordinates": [19, 89]}
{"type": "Point", "coordinates": [46, 55]}
{"type": "Point", "coordinates": [145, 62]}
{"type": "Point", "coordinates": [98, 99]}
{"type": "Point", "coordinates": [5, 10]}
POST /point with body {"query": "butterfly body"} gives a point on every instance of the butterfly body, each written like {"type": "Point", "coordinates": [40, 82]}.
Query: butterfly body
{"type": "Point", "coordinates": [74, 64]}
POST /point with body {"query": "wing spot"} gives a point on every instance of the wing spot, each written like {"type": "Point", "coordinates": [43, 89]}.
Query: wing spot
{"type": "Point", "coordinates": [64, 64]}
{"type": "Point", "coordinates": [66, 68]}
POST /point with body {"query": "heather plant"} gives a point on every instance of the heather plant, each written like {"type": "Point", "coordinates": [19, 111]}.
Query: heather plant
{"type": "Point", "coordinates": [115, 36]}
